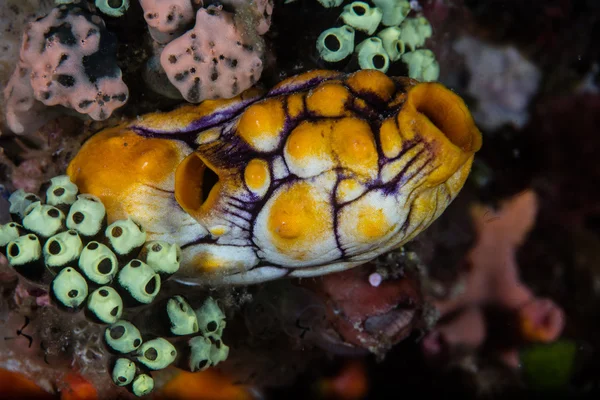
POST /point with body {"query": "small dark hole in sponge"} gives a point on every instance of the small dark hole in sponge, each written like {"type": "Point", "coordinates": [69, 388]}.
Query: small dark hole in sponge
{"type": "Point", "coordinates": [209, 180]}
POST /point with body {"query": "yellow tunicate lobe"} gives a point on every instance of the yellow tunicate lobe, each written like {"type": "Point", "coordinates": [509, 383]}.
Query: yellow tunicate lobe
{"type": "Point", "coordinates": [310, 140]}
{"type": "Point", "coordinates": [372, 223]}
{"type": "Point", "coordinates": [299, 219]}
{"type": "Point", "coordinates": [295, 105]}
{"type": "Point", "coordinates": [261, 125]}
{"type": "Point", "coordinates": [372, 82]}
{"type": "Point", "coordinates": [328, 100]}
{"type": "Point", "coordinates": [353, 143]}
{"type": "Point", "coordinates": [391, 141]}
{"type": "Point", "coordinates": [113, 163]}
{"type": "Point", "coordinates": [348, 190]}
{"type": "Point", "coordinates": [256, 174]}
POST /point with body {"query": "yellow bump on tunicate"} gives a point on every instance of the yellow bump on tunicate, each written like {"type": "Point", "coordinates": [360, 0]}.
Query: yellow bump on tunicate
{"type": "Point", "coordinates": [257, 176]}
{"type": "Point", "coordinates": [391, 141]}
{"type": "Point", "coordinates": [208, 136]}
{"type": "Point", "coordinates": [295, 105]}
{"type": "Point", "coordinates": [299, 218]}
{"type": "Point", "coordinates": [354, 145]}
{"type": "Point", "coordinates": [307, 151]}
{"type": "Point", "coordinates": [368, 222]}
{"type": "Point", "coordinates": [372, 82]}
{"type": "Point", "coordinates": [261, 125]}
{"type": "Point", "coordinates": [348, 190]}
{"type": "Point", "coordinates": [218, 230]}
{"type": "Point", "coordinates": [207, 258]}
{"type": "Point", "coordinates": [328, 100]}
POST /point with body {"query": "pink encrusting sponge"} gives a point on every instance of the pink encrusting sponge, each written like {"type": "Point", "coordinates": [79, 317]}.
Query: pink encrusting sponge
{"type": "Point", "coordinates": [213, 60]}
{"type": "Point", "coordinates": [67, 58]}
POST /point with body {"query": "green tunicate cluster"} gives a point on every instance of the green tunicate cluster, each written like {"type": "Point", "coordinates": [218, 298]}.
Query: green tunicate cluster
{"type": "Point", "coordinates": [63, 241]}
{"type": "Point", "coordinates": [113, 8]}
{"type": "Point", "coordinates": [208, 349]}
{"type": "Point", "coordinates": [393, 36]}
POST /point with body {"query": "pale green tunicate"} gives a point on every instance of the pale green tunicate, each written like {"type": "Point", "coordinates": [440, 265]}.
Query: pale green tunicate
{"type": "Point", "coordinates": [392, 44]}
{"type": "Point", "coordinates": [156, 354]}
{"type": "Point", "coordinates": [361, 16]}
{"type": "Point", "coordinates": [61, 191]}
{"type": "Point", "coordinates": [98, 263]}
{"type": "Point", "coordinates": [19, 201]}
{"type": "Point", "coordinates": [105, 305]}
{"type": "Point", "coordinates": [415, 31]}
{"type": "Point", "coordinates": [422, 65]}
{"type": "Point", "coordinates": [372, 55]}
{"type": "Point", "coordinates": [335, 44]}
{"type": "Point", "coordinates": [123, 372]}
{"type": "Point", "coordinates": [162, 257]}
{"type": "Point", "coordinates": [139, 281]}
{"type": "Point", "coordinates": [69, 288]}
{"type": "Point", "coordinates": [394, 11]}
{"type": "Point", "coordinates": [125, 236]}
{"type": "Point", "coordinates": [43, 219]}
{"type": "Point", "coordinates": [200, 348]}
{"type": "Point", "coordinates": [142, 385]}
{"type": "Point", "coordinates": [9, 232]}
{"type": "Point", "coordinates": [62, 249]}
{"type": "Point", "coordinates": [86, 215]}
{"type": "Point", "coordinates": [181, 316]}
{"type": "Point", "coordinates": [329, 3]}
{"type": "Point", "coordinates": [219, 351]}
{"type": "Point", "coordinates": [112, 8]}
{"type": "Point", "coordinates": [122, 337]}
{"type": "Point", "coordinates": [211, 320]}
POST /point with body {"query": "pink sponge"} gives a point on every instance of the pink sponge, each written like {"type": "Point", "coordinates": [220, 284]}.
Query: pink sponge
{"type": "Point", "coordinates": [213, 60]}
{"type": "Point", "coordinates": [167, 18]}
{"type": "Point", "coordinates": [67, 58]}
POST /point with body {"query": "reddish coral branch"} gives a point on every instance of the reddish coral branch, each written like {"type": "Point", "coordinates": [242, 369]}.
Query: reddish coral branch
{"type": "Point", "coordinates": [492, 280]}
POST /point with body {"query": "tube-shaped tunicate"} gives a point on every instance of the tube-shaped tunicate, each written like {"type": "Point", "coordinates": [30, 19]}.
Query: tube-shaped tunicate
{"type": "Point", "coordinates": [394, 11]}
{"type": "Point", "coordinates": [361, 16]}
{"type": "Point", "coordinates": [330, 3]}
{"type": "Point", "coordinates": [422, 65]}
{"type": "Point", "coordinates": [335, 44]}
{"type": "Point", "coordinates": [415, 31]}
{"type": "Point", "coordinates": [372, 55]}
{"type": "Point", "coordinates": [393, 45]}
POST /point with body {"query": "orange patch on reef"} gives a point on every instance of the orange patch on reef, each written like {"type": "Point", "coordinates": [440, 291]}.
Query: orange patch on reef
{"type": "Point", "coordinates": [14, 385]}
{"type": "Point", "coordinates": [205, 385]}
{"type": "Point", "coordinates": [75, 387]}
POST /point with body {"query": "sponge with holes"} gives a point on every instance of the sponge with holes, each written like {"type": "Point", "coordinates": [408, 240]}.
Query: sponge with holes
{"type": "Point", "coordinates": [67, 58]}
{"type": "Point", "coordinates": [213, 60]}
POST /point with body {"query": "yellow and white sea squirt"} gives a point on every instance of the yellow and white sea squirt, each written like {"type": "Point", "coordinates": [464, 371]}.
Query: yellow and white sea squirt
{"type": "Point", "coordinates": [324, 172]}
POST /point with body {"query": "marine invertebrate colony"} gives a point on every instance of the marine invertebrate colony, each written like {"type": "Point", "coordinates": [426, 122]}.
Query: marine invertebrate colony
{"type": "Point", "coordinates": [67, 58]}
{"type": "Point", "coordinates": [324, 172]}
{"type": "Point", "coordinates": [66, 247]}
